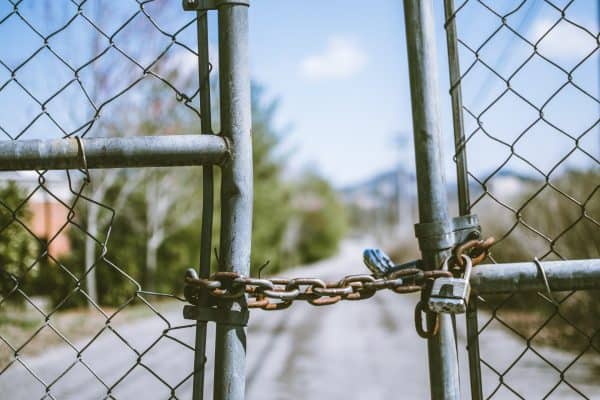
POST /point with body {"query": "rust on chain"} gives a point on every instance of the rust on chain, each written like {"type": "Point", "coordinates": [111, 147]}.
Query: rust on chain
{"type": "Point", "coordinates": [325, 301]}
{"type": "Point", "coordinates": [477, 249]}
{"type": "Point", "coordinates": [279, 293]}
{"type": "Point", "coordinates": [260, 302]}
{"type": "Point", "coordinates": [360, 295]}
{"type": "Point", "coordinates": [228, 289]}
{"type": "Point", "coordinates": [407, 289]}
{"type": "Point", "coordinates": [406, 272]}
{"type": "Point", "coordinates": [271, 306]}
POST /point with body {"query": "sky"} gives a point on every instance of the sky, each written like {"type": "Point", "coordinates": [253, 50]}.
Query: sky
{"type": "Point", "coordinates": [339, 71]}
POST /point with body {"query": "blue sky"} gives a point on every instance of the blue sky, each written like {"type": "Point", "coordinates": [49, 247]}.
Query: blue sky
{"type": "Point", "coordinates": [339, 69]}
{"type": "Point", "coordinates": [340, 73]}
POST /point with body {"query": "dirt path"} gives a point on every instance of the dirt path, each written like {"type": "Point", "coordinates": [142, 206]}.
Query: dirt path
{"type": "Point", "coordinates": [354, 350]}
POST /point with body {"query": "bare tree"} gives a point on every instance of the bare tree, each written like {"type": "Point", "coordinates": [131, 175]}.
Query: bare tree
{"type": "Point", "coordinates": [168, 197]}
{"type": "Point", "coordinates": [168, 193]}
{"type": "Point", "coordinates": [103, 40]}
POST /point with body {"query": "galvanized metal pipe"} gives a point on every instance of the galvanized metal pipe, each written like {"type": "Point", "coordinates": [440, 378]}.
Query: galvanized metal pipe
{"type": "Point", "coordinates": [457, 111]}
{"type": "Point", "coordinates": [141, 151]}
{"type": "Point", "coordinates": [526, 276]}
{"type": "Point", "coordinates": [472, 323]}
{"type": "Point", "coordinates": [433, 202]}
{"type": "Point", "coordinates": [207, 199]}
{"type": "Point", "coordinates": [462, 179]}
{"type": "Point", "coordinates": [236, 191]}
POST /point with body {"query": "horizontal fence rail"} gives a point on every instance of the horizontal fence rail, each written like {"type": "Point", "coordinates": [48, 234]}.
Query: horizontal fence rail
{"type": "Point", "coordinates": [143, 151]}
{"type": "Point", "coordinates": [527, 276]}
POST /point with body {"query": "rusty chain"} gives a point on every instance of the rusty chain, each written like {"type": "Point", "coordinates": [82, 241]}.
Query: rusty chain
{"type": "Point", "coordinates": [227, 286]}
{"type": "Point", "coordinates": [261, 292]}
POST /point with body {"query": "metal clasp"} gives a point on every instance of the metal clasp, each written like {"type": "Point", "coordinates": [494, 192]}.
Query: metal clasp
{"type": "Point", "coordinates": [205, 5]}
{"type": "Point", "coordinates": [436, 236]}
{"type": "Point", "coordinates": [218, 315]}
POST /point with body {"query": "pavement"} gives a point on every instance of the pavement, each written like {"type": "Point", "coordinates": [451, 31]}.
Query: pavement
{"type": "Point", "coordinates": [352, 350]}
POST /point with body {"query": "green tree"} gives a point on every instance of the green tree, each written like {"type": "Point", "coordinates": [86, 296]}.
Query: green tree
{"type": "Point", "coordinates": [278, 211]}
{"type": "Point", "coordinates": [18, 247]}
{"type": "Point", "coordinates": [272, 196]}
{"type": "Point", "coordinates": [323, 220]}
{"type": "Point", "coordinates": [286, 229]}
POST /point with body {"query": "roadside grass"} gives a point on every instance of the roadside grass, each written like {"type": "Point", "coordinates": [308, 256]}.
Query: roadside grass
{"type": "Point", "coordinates": [25, 331]}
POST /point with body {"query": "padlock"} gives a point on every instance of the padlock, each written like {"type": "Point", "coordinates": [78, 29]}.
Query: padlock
{"type": "Point", "coordinates": [382, 266]}
{"type": "Point", "coordinates": [451, 295]}
{"type": "Point", "coordinates": [378, 262]}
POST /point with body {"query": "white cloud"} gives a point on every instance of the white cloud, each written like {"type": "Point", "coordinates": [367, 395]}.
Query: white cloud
{"type": "Point", "coordinates": [342, 58]}
{"type": "Point", "coordinates": [186, 63]}
{"type": "Point", "coordinates": [565, 40]}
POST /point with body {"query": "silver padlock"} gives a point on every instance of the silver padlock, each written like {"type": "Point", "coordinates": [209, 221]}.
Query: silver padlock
{"type": "Point", "coordinates": [451, 295]}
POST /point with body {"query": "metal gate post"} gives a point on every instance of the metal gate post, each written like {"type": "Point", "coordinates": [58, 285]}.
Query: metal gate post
{"type": "Point", "coordinates": [462, 180]}
{"type": "Point", "coordinates": [431, 184]}
{"type": "Point", "coordinates": [236, 190]}
{"type": "Point", "coordinates": [207, 199]}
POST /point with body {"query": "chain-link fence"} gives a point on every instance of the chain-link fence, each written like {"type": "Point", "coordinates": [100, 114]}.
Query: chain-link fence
{"type": "Point", "coordinates": [85, 77]}
{"type": "Point", "coordinates": [525, 89]}
{"type": "Point", "coordinates": [91, 69]}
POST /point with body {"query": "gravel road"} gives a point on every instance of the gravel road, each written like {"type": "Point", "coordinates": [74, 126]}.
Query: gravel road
{"type": "Point", "coordinates": [353, 350]}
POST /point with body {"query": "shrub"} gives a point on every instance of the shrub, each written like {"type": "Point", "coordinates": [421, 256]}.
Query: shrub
{"type": "Point", "coordinates": [569, 220]}
{"type": "Point", "coordinates": [18, 248]}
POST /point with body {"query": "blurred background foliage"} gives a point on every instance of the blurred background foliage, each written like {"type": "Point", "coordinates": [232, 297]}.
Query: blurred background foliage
{"type": "Point", "coordinates": [295, 221]}
{"type": "Point", "coordinates": [152, 232]}
{"type": "Point", "coordinates": [568, 222]}
{"type": "Point", "coordinates": [17, 246]}
{"type": "Point", "coordinates": [320, 217]}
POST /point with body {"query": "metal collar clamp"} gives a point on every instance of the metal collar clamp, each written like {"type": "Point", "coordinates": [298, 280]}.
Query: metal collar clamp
{"type": "Point", "coordinates": [205, 5]}
{"type": "Point", "coordinates": [220, 316]}
{"type": "Point", "coordinates": [435, 236]}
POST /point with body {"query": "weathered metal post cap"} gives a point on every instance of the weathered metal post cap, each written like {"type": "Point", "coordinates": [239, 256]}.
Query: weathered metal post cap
{"type": "Point", "coordinates": [204, 5]}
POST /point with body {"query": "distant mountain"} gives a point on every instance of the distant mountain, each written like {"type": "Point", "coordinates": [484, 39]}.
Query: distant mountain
{"type": "Point", "coordinates": [379, 190]}
{"type": "Point", "coordinates": [388, 201]}
{"type": "Point", "coordinates": [383, 206]}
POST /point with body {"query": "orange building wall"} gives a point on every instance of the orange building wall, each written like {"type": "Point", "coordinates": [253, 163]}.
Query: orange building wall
{"type": "Point", "coordinates": [47, 219]}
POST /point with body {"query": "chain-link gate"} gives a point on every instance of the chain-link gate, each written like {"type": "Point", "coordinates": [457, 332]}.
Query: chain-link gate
{"type": "Point", "coordinates": [92, 142]}
{"type": "Point", "coordinates": [106, 69]}
{"type": "Point", "coordinates": [524, 86]}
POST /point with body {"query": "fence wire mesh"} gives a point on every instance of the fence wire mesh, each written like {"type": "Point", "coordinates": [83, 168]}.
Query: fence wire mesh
{"type": "Point", "coordinates": [530, 86]}
{"type": "Point", "coordinates": [96, 238]}
{"type": "Point", "coordinates": [529, 77]}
